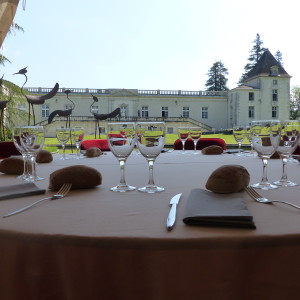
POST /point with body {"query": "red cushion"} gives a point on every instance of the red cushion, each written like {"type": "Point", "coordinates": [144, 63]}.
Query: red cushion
{"type": "Point", "coordinates": [102, 144]}
{"type": "Point", "coordinates": [297, 151]}
{"type": "Point", "coordinates": [7, 149]}
{"type": "Point", "coordinates": [202, 143]}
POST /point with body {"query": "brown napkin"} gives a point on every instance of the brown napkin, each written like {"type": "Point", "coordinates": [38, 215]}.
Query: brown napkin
{"type": "Point", "coordinates": [19, 190]}
{"type": "Point", "coordinates": [208, 208]}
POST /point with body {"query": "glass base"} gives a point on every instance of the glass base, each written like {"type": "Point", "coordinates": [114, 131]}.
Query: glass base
{"type": "Point", "coordinates": [64, 157]}
{"type": "Point", "coordinates": [264, 186]}
{"type": "Point", "coordinates": [151, 189]}
{"type": "Point", "coordinates": [285, 183]}
{"type": "Point", "coordinates": [123, 188]}
{"type": "Point", "coordinates": [33, 179]}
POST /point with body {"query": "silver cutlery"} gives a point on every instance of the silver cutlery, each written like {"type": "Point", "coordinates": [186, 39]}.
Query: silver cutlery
{"type": "Point", "coordinates": [65, 188]}
{"type": "Point", "coordinates": [172, 214]}
{"type": "Point", "coordinates": [257, 197]}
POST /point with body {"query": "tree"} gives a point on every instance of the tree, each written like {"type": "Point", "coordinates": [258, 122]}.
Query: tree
{"type": "Point", "coordinates": [217, 77]}
{"type": "Point", "coordinates": [12, 115]}
{"type": "Point", "coordinates": [278, 57]}
{"type": "Point", "coordinates": [295, 102]}
{"type": "Point", "coordinates": [255, 54]}
{"type": "Point", "coordinates": [12, 28]}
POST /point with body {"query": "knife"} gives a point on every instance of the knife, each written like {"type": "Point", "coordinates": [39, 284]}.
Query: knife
{"type": "Point", "coordinates": [172, 214]}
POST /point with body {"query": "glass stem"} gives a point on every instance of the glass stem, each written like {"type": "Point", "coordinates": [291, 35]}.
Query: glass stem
{"type": "Point", "coordinates": [284, 173]}
{"type": "Point", "coordinates": [122, 171]}
{"type": "Point", "coordinates": [26, 173]}
{"type": "Point", "coordinates": [183, 142]}
{"type": "Point", "coordinates": [64, 153]}
{"type": "Point", "coordinates": [195, 146]}
{"type": "Point", "coordinates": [33, 165]}
{"type": "Point", "coordinates": [151, 178]}
{"type": "Point", "coordinates": [265, 175]}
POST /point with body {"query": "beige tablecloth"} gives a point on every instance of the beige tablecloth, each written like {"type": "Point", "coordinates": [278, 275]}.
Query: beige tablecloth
{"type": "Point", "coordinates": [97, 244]}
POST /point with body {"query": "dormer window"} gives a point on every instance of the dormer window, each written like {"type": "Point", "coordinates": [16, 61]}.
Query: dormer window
{"type": "Point", "coordinates": [274, 71]}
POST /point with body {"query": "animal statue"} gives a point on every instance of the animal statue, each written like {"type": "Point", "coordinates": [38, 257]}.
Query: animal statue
{"type": "Point", "coordinates": [3, 105]}
{"type": "Point", "coordinates": [36, 100]}
{"type": "Point", "coordinates": [101, 117]}
{"type": "Point", "coordinates": [63, 113]}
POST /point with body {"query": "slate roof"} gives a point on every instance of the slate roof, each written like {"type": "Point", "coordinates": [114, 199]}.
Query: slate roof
{"type": "Point", "coordinates": [263, 67]}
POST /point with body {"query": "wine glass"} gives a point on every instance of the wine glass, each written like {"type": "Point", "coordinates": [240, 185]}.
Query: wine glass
{"type": "Point", "coordinates": [77, 135]}
{"type": "Point", "coordinates": [121, 140]}
{"type": "Point", "coordinates": [265, 143]}
{"type": "Point", "coordinates": [150, 141]}
{"type": "Point", "coordinates": [289, 140]}
{"type": "Point", "coordinates": [27, 162]}
{"type": "Point", "coordinates": [253, 131]}
{"type": "Point", "coordinates": [63, 135]}
{"type": "Point", "coordinates": [32, 140]}
{"type": "Point", "coordinates": [195, 134]}
{"type": "Point", "coordinates": [239, 135]}
{"type": "Point", "coordinates": [183, 134]}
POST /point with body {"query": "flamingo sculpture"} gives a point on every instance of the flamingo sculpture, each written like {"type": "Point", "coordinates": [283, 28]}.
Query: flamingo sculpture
{"type": "Point", "coordinates": [2, 108]}
{"type": "Point", "coordinates": [36, 100]}
{"type": "Point", "coordinates": [101, 117]}
{"type": "Point", "coordinates": [63, 113]}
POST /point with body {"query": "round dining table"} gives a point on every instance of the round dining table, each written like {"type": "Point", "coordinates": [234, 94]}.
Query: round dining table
{"type": "Point", "coordinates": [98, 244]}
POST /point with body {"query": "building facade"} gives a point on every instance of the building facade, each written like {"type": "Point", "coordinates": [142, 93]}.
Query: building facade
{"type": "Point", "coordinates": [264, 94]}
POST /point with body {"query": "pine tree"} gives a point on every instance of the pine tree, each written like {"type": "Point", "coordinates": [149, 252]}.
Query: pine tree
{"type": "Point", "coordinates": [217, 77]}
{"type": "Point", "coordinates": [255, 54]}
{"type": "Point", "coordinates": [278, 57]}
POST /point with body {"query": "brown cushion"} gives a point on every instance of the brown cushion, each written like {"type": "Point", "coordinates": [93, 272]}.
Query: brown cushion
{"type": "Point", "coordinates": [228, 179]}
{"type": "Point", "coordinates": [81, 177]}
{"type": "Point", "coordinates": [44, 156]}
{"type": "Point", "coordinates": [213, 149]}
{"type": "Point", "coordinates": [12, 165]}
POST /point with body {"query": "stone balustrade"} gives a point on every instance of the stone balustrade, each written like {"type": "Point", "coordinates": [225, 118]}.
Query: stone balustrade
{"type": "Point", "coordinates": [39, 90]}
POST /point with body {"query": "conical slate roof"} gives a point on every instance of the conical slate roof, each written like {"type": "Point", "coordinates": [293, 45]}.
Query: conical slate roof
{"type": "Point", "coordinates": [264, 64]}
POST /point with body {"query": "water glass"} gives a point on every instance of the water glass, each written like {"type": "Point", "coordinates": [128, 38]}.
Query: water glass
{"type": "Point", "coordinates": [121, 140]}
{"type": "Point", "coordinates": [63, 135]}
{"type": "Point", "coordinates": [150, 141]}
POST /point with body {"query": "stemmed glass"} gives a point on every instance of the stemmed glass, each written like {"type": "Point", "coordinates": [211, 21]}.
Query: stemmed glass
{"type": "Point", "coordinates": [63, 135]}
{"type": "Point", "coordinates": [195, 134]}
{"type": "Point", "coordinates": [289, 140]}
{"type": "Point", "coordinates": [77, 135]}
{"type": "Point", "coordinates": [265, 143]}
{"type": "Point", "coordinates": [239, 135]}
{"type": "Point", "coordinates": [183, 134]}
{"type": "Point", "coordinates": [32, 141]}
{"type": "Point", "coordinates": [150, 141]}
{"type": "Point", "coordinates": [121, 140]}
{"type": "Point", "coordinates": [16, 133]}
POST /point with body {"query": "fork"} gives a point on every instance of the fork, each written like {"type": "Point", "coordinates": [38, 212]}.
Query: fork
{"type": "Point", "coordinates": [63, 191]}
{"type": "Point", "coordinates": [257, 197]}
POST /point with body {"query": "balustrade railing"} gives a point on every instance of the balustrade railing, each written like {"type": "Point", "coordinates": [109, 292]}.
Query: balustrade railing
{"type": "Point", "coordinates": [131, 119]}
{"type": "Point", "coordinates": [39, 90]}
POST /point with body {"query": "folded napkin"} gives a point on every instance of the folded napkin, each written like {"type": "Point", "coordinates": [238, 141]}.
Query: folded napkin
{"type": "Point", "coordinates": [208, 208]}
{"type": "Point", "coordinates": [19, 190]}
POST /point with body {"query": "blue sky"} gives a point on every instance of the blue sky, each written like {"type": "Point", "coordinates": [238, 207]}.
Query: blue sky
{"type": "Point", "coordinates": [146, 44]}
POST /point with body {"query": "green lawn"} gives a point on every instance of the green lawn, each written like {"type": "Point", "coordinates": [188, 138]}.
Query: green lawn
{"type": "Point", "coordinates": [51, 144]}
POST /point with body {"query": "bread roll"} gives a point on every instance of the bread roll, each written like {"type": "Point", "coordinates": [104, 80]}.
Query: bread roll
{"type": "Point", "coordinates": [81, 177]}
{"type": "Point", "coordinates": [213, 149]}
{"type": "Point", "coordinates": [44, 156]}
{"type": "Point", "coordinates": [93, 152]}
{"type": "Point", "coordinates": [12, 165]}
{"type": "Point", "coordinates": [228, 179]}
